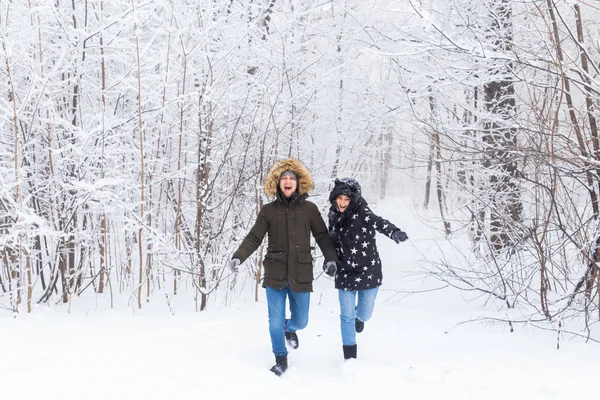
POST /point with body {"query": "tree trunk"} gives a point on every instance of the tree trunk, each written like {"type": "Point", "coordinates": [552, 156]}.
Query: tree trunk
{"type": "Point", "coordinates": [142, 167]}
{"type": "Point", "coordinates": [500, 138]}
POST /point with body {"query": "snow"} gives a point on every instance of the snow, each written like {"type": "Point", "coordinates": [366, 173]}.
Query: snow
{"type": "Point", "coordinates": [416, 346]}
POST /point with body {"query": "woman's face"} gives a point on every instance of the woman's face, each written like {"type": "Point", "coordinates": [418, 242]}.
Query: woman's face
{"type": "Point", "coordinates": [342, 202]}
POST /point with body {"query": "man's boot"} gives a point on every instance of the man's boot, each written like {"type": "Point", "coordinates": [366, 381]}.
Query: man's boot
{"type": "Point", "coordinates": [292, 339]}
{"type": "Point", "coordinates": [349, 351]}
{"type": "Point", "coordinates": [280, 365]}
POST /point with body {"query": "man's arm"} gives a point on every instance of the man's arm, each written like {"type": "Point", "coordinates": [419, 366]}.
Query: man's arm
{"type": "Point", "coordinates": [319, 231]}
{"type": "Point", "coordinates": [254, 238]}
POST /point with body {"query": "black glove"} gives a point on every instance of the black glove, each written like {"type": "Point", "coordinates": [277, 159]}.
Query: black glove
{"type": "Point", "coordinates": [330, 267]}
{"type": "Point", "coordinates": [399, 236]}
{"type": "Point", "coordinates": [234, 265]}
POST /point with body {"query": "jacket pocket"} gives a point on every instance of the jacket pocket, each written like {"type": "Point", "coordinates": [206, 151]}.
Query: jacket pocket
{"type": "Point", "coordinates": [305, 258]}
{"type": "Point", "coordinates": [275, 255]}
{"type": "Point", "coordinates": [275, 264]}
{"type": "Point", "coordinates": [305, 268]}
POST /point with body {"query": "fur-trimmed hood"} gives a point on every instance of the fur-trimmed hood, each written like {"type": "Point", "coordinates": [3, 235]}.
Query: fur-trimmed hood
{"type": "Point", "coordinates": [305, 182]}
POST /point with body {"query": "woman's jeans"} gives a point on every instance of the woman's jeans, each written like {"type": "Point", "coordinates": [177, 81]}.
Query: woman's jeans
{"type": "Point", "coordinates": [349, 311]}
{"type": "Point", "coordinates": [278, 325]}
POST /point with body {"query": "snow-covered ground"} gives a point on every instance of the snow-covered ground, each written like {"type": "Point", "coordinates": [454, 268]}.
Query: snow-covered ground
{"type": "Point", "coordinates": [414, 347]}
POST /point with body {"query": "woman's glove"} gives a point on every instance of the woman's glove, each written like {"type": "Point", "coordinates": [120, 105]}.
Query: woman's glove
{"type": "Point", "coordinates": [399, 236]}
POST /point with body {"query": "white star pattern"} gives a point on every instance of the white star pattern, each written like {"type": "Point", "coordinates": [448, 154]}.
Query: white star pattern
{"type": "Point", "coordinates": [357, 249]}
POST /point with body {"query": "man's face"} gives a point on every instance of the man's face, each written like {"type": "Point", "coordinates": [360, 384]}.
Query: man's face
{"type": "Point", "coordinates": [288, 185]}
{"type": "Point", "coordinates": [342, 202]}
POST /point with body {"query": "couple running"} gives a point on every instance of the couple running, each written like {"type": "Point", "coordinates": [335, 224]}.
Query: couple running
{"type": "Point", "coordinates": [348, 247]}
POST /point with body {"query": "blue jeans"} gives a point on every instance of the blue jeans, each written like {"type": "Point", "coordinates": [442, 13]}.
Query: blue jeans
{"type": "Point", "coordinates": [278, 325]}
{"type": "Point", "coordinates": [349, 311]}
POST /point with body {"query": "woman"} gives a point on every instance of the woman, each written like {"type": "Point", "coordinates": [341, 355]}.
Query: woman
{"type": "Point", "coordinates": [352, 229]}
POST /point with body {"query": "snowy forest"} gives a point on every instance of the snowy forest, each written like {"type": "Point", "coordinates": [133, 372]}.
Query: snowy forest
{"type": "Point", "coordinates": [136, 135]}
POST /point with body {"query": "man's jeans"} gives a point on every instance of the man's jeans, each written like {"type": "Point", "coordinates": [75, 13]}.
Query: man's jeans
{"type": "Point", "coordinates": [278, 325]}
{"type": "Point", "coordinates": [349, 311]}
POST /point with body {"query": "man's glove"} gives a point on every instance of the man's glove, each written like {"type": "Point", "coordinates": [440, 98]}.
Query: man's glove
{"type": "Point", "coordinates": [330, 267]}
{"type": "Point", "coordinates": [399, 236]}
{"type": "Point", "coordinates": [234, 265]}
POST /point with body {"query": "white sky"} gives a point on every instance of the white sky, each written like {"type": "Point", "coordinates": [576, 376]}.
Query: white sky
{"type": "Point", "coordinates": [411, 349]}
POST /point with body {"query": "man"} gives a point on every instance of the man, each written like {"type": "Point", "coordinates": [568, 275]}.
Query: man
{"type": "Point", "coordinates": [289, 221]}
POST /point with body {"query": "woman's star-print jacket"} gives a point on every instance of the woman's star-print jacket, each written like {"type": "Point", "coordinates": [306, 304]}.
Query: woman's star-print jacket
{"type": "Point", "coordinates": [353, 235]}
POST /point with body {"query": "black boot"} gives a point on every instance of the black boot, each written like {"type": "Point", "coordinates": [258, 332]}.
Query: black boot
{"type": "Point", "coordinates": [280, 365]}
{"type": "Point", "coordinates": [349, 351]}
{"type": "Point", "coordinates": [358, 325]}
{"type": "Point", "coordinates": [292, 340]}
